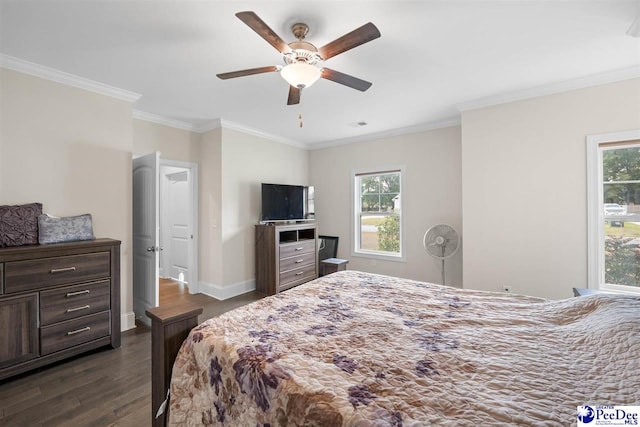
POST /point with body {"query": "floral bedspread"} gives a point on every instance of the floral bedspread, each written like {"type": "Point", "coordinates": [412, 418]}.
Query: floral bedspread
{"type": "Point", "coordinates": [357, 349]}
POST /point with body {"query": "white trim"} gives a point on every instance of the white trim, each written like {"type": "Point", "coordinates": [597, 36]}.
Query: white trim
{"type": "Point", "coordinates": [26, 67]}
{"type": "Point", "coordinates": [595, 220]}
{"type": "Point", "coordinates": [127, 321]}
{"type": "Point", "coordinates": [194, 287]}
{"type": "Point", "coordinates": [161, 120]}
{"type": "Point", "coordinates": [595, 250]}
{"type": "Point", "coordinates": [226, 124]}
{"type": "Point", "coordinates": [422, 127]}
{"type": "Point", "coordinates": [553, 88]}
{"type": "Point", "coordinates": [211, 125]}
{"type": "Point", "coordinates": [225, 292]}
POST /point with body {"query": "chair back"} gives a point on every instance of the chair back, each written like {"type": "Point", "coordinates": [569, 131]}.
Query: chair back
{"type": "Point", "coordinates": [328, 247]}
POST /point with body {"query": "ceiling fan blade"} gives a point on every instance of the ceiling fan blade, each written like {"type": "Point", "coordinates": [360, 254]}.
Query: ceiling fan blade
{"type": "Point", "coordinates": [250, 71]}
{"type": "Point", "coordinates": [355, 38]}
{"type": "Point", "coordinates": [258, 25]}
{"type": "Point", "coordinates": [345, 79]}
{"type": "Point", "coordinates": [294, 96]}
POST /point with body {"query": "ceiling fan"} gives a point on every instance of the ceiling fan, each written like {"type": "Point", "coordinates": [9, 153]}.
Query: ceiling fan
{"type": "Point", "coordinates": [302, 58]}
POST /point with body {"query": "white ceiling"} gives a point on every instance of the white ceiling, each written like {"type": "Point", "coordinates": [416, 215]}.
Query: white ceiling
{"type": "Point", "coordinates": [432, 56]}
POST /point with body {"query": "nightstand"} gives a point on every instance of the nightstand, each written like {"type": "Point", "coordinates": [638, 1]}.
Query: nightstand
{"type": "Point", "coordinates": [331, 265]}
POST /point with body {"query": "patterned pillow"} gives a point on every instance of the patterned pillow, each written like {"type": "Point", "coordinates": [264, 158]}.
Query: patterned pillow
{"type": "Point", "coordinates": [68, 229]}
{"type": "Point", "coordinates": [19, 224]}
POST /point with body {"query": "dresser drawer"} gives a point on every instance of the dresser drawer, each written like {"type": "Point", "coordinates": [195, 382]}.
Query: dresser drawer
{"type": "Point", "coordinates": [292, 249]}
{"type": "Point", "coordinates": [33, 274]}
{"type": "Point", "coordinates": [297, 280]}
{"type": "Point", "coordinates": [73, 332]}
{"type": "Point", "coordinates": [74, 301]}
{"type": "Point", "coordinates": [308, 272]}
{"type": "Point", "coordinates": [297, 261]}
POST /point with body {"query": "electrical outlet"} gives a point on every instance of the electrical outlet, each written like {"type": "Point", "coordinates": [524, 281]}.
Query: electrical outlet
{"type": "Point", "coordinates": [506, 288]}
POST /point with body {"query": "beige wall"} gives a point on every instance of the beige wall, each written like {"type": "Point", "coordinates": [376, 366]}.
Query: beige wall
{"type": "Point", "coordinates": [524, 187]}
{"type": "Point", "coordinates": [248, 161]}
{"type": "Point", "coordinates": [432, 194]}
{"type": "Point", "coordinates": [210, 211]}
{"type": "Point", "coordinates": [69, 149]}
{"type": "Point", "coordinates": [173, 144]}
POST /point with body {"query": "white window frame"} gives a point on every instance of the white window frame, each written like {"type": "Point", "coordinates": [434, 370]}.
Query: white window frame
{"type": "Point", "coordinates": [355, 214]}
{"type": "Point", "coordinates": [595, 213]}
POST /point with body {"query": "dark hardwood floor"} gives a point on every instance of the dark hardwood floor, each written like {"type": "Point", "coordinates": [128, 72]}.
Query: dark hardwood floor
{"type": "Point", "coordinates": [105, 387]}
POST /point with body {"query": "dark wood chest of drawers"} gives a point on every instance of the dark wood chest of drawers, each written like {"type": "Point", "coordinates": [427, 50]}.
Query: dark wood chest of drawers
{"type": "Point", "coordinates": [57, 301]}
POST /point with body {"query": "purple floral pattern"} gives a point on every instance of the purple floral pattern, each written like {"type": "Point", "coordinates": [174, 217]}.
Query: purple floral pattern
{"type": "Point", "coordinates": [360, 349]}
{"type": "Point", "coordinates": [264, 335]}
{"type": "Point", "coordinates": [360, 395]}
{"type": "Point", "coordinates": [215, 371]}
{"type": "Point", "coordinates": [256, 373]}
{"type": "Point", "coordinates": [322, 330]}
{"type": "Point", "coordinates": [437, 341]}
{"type": "Point", "coordinates": [344, 363]}
{"type": "Point", "coordinates": [426, 368]}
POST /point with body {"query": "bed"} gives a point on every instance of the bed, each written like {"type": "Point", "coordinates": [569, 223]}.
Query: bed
{"type": "Point", "coordinates": [358, 349]}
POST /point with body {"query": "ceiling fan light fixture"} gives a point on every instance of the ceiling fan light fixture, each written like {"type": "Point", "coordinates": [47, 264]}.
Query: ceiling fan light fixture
{"type": "Point", "coordinates": [300, 74]}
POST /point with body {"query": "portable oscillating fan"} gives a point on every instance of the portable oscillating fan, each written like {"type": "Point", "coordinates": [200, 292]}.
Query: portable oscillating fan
{"type": "Point", "coordinates": [441, 241]}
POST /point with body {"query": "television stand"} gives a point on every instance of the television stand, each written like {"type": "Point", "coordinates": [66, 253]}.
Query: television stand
{"type": "Point", "coordinates": [286, 256]}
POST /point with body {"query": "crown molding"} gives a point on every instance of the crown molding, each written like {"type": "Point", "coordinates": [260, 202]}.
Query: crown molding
{"type": "Point", "coordinates": [553, 88]}
{"type": "Point", "coordinates": [26, 67]}
{"type": "Point", "coordinates": [227, 124]}
{"type": "Point", "coordinates": [210, 125]}
{"type": "Point", "coordinates": [165, 121]}
{"type": "Point", "coordinates": [422, 127]}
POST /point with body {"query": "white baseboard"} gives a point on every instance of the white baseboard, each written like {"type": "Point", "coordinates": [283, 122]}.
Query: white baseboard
{"type": "Point", "coordinates": [225, 292]}
{"type": "Point", "coordinates": [127, 321]}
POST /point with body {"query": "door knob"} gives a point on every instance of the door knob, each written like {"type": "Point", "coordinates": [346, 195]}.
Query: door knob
{"type": "Point", "coordinates": [151, 249]}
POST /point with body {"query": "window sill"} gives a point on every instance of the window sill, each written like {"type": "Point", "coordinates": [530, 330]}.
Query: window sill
{"type": "Point", "coordinates": [620, 289]}
{"type": "Point", "coordinates": [381, 257]}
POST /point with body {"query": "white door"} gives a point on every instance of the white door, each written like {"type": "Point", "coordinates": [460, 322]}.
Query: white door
{"type": "Point", "coordinates": [145, 233]}
{"type": "Point", "coordinates": [179, 222]}
{"type": "Point", "coordinates": [178, 225]}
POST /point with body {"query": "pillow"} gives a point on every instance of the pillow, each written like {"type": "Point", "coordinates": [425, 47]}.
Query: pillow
{"type": "Point", "coordinates": [66, 229]}
{"type": "Point", "coordinates": [19, 224]}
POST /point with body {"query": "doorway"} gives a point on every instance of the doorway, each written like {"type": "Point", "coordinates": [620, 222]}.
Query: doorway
{"type": "Point", "coordinates": [165, 222]}
{"type": "Point", "coordinates": [178, 261]}
{"type": "Point", "coordinates": [177, 235]}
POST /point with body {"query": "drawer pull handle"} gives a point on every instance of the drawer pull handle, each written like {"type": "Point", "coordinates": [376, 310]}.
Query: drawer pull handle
{"type": "Point", "coordinates": [299, 249]}
{"type": "Point", "coordinates": [73, 294]}
{"type": "Point", "coordinates": [299, 261]}
{"type": "Point", "coordinates": [62, 270]}
{"type": "Point", "coordinates": [71, 310]}
{"type": "Point", "coordinates": [300, 273]}
{"type": "Point", "coordinates": [77, 331]}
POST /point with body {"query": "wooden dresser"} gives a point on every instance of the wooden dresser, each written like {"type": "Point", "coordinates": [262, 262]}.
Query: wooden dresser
{"type": "Point", "coordinates": [286, 256]}
{"type": "Point", "coordinates": [57, 301]}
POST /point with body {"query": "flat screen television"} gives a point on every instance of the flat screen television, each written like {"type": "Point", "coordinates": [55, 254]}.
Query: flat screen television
{"type": "Point", "coordinates": [282, 202]}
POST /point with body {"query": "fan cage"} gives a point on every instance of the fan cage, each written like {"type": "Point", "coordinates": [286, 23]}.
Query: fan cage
{"type": "Point", "coordinates": [450, 245]}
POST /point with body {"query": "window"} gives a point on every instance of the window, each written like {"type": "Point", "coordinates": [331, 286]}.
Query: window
{"type": "Point", "coordinates": [378, 214]}
{"type": "Point", "coordinates": [614, 212]}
